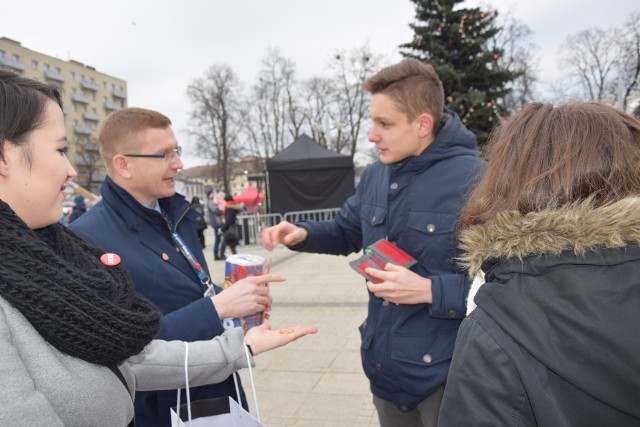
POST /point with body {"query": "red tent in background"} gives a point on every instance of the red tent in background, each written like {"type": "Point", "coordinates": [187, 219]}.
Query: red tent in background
{"type": "Point", "coordinates": [251, 198]}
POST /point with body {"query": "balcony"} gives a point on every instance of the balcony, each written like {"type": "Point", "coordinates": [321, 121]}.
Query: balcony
{"type": "Point", "coordinates": [82, 130]}
{"type": "Point", "coordinates": [78, 97]}
{"type": "Point", "coordinates": [119, 93]}
{"type": "Point", "coordinates": [54, 75]}
{"type": "Point", "coordinates": [87, 84]}
{"type": "Point", "coordinates": [111, 106]}
{"type": "Point", "coordinates": [12, 63]}
{"type": "Point", "coordinates": [94, 117]}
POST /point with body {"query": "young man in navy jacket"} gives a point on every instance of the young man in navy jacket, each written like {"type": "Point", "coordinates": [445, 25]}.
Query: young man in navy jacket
{"type": "Point", "coordinates": [411, 197]}
{"type": "Point", "coordinates": [144, 221]}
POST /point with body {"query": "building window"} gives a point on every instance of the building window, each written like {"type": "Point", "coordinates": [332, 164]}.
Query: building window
{"type": "Point", "coordinates": [73, 75]}
{"type": "Point", "coordinates": [1, 53]}
{"type": "Point", "coordinates": [34, 65]}
{"type": "Point", "coordinates": [45, 67]}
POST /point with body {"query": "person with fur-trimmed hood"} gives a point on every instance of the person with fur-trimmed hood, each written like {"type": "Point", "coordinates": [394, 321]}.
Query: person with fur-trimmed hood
{"type": "Point", "coordinates": [554, 225]}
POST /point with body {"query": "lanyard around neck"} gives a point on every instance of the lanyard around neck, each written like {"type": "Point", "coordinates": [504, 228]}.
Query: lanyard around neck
{"type": "Point", "coordinates": [184, 250]}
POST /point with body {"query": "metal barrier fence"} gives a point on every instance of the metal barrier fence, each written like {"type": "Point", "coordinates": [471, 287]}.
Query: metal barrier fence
{"type": "Point", "coordinates": [251, 225]}
{"type": "Point", "coordinates": [315, 215]}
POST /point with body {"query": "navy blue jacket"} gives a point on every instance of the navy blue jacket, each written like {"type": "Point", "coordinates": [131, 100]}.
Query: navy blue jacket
{"type": "Point", "coordinates": [406, 349]}
{"type": "Point", "coordinates": [140, 236]}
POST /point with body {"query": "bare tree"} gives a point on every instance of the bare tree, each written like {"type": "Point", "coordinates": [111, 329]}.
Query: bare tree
{"type": "Point", "coordinates": [606, 63]}
{"type": "Point", "coordinates": [273, 106]}
{"type": "Point", "coordinates": [513, 40]}
{"type": "Point", "coordinates": [279, 109]}
{"type": "Point", "coordinates": [215, 117]}
{"type": "Point", "coordinates": [88, 162]}
{"type": "Point", "coordinates": [351, 101]}
{"type": "Point", "coordinates": [629, 72]}
{"type": "Point", "coordinates": [593, 56]}
{"type": "Point", "coordinates": [317, 94]}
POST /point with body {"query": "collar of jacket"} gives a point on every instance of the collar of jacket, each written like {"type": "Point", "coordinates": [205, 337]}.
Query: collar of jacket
{"type": "Point", "coordinates": [175, 207]}
{"type": "Point", "coordinates": [452, 139]}
{"type": "Point", "coordinates": [577, 227]}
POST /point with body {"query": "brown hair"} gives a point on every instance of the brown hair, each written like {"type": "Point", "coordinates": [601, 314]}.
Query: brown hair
{"type": "Point", "coordinates": [546, 157]}
{"type": "Point", "coordinates": [413, 86]}
{"type": "Point", "coordinates": [119, 130]}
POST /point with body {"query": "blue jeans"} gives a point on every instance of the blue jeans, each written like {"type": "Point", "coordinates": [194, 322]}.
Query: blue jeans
{"type": "Point", "coordinates": [216, 245]}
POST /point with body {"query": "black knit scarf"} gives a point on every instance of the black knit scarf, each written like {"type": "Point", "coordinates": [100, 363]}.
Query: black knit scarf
{"type": "Point", "coordinates": [80, 306]}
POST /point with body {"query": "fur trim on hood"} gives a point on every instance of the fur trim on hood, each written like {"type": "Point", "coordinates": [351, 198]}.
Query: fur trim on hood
{"type": "Point", "coordinates": [577, 227]}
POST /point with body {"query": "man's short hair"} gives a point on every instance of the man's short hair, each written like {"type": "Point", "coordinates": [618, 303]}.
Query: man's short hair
{"type": "Point", "coordinates": [413, 86]}
{"type": "Point", "coordinates": [118, 131]}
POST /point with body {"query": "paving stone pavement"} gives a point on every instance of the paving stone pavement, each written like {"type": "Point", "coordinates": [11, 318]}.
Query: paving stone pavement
{"type": "Point", "coordinates": [318, 380]}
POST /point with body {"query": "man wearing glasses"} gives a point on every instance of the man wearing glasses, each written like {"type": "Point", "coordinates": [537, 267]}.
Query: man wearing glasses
{"type": "Point", "coordinates": [151, 228]}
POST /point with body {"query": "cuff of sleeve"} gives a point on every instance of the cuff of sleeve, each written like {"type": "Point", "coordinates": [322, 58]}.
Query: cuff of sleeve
{"type": "Point", "coordinates": [447, 297]}
{"type": "Point", "coordinates": [214, 319]}
{"type": "Point", "coordinates": [237, 355]}
{"type": "Point", "coordinates": [301, 246]}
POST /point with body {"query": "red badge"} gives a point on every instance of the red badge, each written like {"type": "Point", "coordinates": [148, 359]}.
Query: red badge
{"type": "Point", "coordinates": [110, 259]}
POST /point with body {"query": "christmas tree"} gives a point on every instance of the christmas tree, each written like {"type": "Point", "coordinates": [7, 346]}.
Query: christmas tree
{"type": "Point", "coordinates": [455, 42]}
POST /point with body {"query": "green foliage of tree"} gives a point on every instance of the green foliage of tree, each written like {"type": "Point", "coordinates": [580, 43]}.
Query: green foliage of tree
{"type": "Point", "coordinates": [455, 41]}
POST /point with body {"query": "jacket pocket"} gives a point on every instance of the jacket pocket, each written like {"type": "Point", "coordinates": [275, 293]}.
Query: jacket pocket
{"type": "Point", "coordinates": [372, 220]}
{"type": "Point", "coordinates": [431, 223]}
{"type": "Point", "coordinates": [431, 240]}
{"type": "Point", "coordinates": [366, 334]}
{"type": "Point", "coordinates": [420, 359]}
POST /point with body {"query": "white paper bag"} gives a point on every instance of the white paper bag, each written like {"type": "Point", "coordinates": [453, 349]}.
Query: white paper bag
{"type": "Point", "coordinates": [215, 412]}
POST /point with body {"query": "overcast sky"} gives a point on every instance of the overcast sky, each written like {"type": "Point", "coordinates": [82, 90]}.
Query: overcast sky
{"type": "Point", "coordinates": [159, 46]}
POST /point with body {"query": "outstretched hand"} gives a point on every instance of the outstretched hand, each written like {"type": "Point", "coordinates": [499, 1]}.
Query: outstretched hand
{"type": "Point", "coordinates": [285, 233]}
{"type": "Point", "coordinates": [262, 338]}
{"type": "Point", "coordinates": [400, 285]}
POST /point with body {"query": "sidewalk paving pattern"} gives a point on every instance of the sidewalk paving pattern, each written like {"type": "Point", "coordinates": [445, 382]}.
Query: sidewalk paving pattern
{"type": "Point", "coordinates": [318, 380]}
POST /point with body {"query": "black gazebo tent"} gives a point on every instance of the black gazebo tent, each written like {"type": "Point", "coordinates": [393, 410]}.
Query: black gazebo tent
{"type": "Point", "coordinates": [305, 176]}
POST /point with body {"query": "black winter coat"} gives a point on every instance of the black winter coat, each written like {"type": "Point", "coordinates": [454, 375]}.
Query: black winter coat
{"type": "Point", "coordinates": [555, 338]}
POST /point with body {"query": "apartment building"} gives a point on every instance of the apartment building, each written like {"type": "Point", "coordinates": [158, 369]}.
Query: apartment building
{"type": "Point", "coordinates": [88, 96]}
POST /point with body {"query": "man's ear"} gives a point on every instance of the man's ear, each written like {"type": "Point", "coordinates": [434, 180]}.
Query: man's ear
{"type": "Point", "coordinates": [121, 166]}
{"type": "Point", "coordinates": [425, 123]}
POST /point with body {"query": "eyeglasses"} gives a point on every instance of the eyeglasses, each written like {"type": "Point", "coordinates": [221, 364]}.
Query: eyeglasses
{"type": "Point", "coordinates": [169, 156]}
